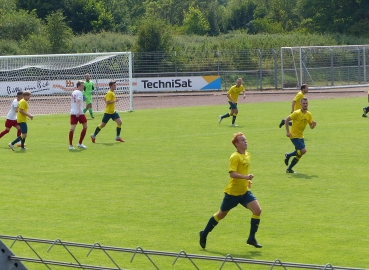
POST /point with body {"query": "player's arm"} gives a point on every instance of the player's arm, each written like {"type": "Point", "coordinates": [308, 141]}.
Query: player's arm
{"type": "Point", "coordinates": [230, 98]}
{"type": "Point", "coordinates": [288, 119]}
{"type": "Point", "coordinates": [244, 93]}
{"type": "Point", "coordinates": [312, 124]}
{"type": "Point", "coordinates": [25, 113]}
{"type": "Point", "coordinates": [293, 106]}
{"type": "Point", "coordinates": [240, 176]}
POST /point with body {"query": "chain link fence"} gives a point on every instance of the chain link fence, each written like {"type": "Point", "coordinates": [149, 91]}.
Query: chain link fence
{"type": "Point", "coordinates": [288, 67]}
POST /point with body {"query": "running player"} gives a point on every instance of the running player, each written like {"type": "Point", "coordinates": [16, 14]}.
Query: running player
{"type": "Point", "coordinates": [11, 118]}
{"type": "Point", "coordinates": [87, 93]}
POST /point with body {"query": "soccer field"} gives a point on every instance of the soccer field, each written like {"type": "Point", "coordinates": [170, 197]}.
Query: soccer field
{"type": "Point", "coordinates": [159, 188]}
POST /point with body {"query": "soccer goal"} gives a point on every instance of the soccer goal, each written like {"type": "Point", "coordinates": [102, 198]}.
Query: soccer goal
{"type": "Point", "coordinates": [52, 78]}
{"type": "Point", "coordinates": [324, 66]}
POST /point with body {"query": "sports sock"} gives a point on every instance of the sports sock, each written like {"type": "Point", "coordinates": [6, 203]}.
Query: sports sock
{"type": "Point", "coordinates": [4, 132]}
{"type": "Point", "coordinates": [71, 133]}
{"type": "Point", "coordinates": [97, 130]}
{"type": "Point", "coordinates": [294, 162]}
{"type": "Point", "coordinates": [292, 154]}
{"type": "Point", "coordinates": [119, 128]}
{"type": "Point", "coordinates": [23, 140]}
{"type": "Point", "coordinates": [84, 110]}
{"type": "Point", "coordinates": [225, 115]}
{"type": "Point", "coordinates": [255, 221]}
{"type": "Point", "coordinates": [213, 221]}
{"type": "Point", "coordinates": [90, 111]}
{"type": "Point", "coordinates": [18, 139]}
{"type": "Point", "coordinates": [234, 119]}
{"type": "Point", "coordinates": [83, 133]}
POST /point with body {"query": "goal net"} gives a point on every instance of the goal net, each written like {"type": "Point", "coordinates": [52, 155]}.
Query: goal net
{"type": "Point", "coordinates": [52, 78]}
{"type": "Point", "coordinates": [324, 66]}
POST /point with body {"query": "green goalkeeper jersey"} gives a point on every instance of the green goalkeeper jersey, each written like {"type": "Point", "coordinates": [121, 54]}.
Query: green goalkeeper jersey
{"type": "Point", "coordinates": [89, 87]}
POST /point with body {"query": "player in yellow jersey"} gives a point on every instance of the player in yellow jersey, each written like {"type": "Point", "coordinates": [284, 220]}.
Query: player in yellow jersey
{"type": "Point", "coordinates": [296, 102]}
{"type": "Point", "coordinates": [300, 118]}
{"type": "Point", "coordinates": [110, 113]}
{"type": "Point", "coordinates": [232, 95]}
{"type": "Point", "coordinates": [22, 115]}
{"type": "Point", "coordinates": [237, 192]}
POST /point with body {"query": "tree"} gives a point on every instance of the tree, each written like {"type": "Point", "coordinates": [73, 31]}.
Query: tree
{"type": "Point", "coordinates": [58, 32]}
{"type": "Point", "coordinates": [17, 25]}
{"type": "Point", "coordinates": [195, 23]}
{"type": "Point", "coordinates": [335, 16]}
{"type": "Point", "coordinates": [153, 35]}
{"type": "Point", "coordinates": [239, 14]}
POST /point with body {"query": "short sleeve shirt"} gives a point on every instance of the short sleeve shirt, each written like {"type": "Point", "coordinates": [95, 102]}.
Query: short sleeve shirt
{"type": "Point", "coordinates": [239, 163]}
{"type": "Point", "coordinates": [12, 114]}
{"type": "Point", "coordinates": [23, 104]}
{"type": "Point", "coordinates": [76, 107]}
{"type": "Point", "coordinates": [235, 91]}
{"type": "Point", "coordinates": [300, 95]}
{"type": "Point", "coordinates": [110, 96]}
{"type": "Point", "coordinates": [299, 122]}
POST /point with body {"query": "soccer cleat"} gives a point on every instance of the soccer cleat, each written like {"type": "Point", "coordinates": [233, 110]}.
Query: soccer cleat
{"type": "Point", "coordinates": [364, 112]}
{"type": "Point", "coordinates": [19, 144]}
{"type": "Point", "coordinates": [220, 119]}
{"type": "Point", "coordinates": [282, 123]}
{"type": "Point", "coordinates": [23, 148]}
{"type": "Point", "coordinates": [119, 139]}
{"type": "Point", "coordinates": [290, 171]}
{"type": "Point", "coordinates": [364, 115]}
{"type": "Point", "coordinates": [71, 147]}
{"type": "Point", "coordinates": [202, 240]}
{"type": "Point", "coordinates": [11, 146]}
{"type": "Point", "coordinates": [253, 242]}
{"type": "Point", "coordinates": [286, 159]}
{"type": "Point", "coordinates": [93, 138]}
{"type": "Point", "coordinates": [234, 125]}
{"type": "Point", "coordinates": [80, 145]}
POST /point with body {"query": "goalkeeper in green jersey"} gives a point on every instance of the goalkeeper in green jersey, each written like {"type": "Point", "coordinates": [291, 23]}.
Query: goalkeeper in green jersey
{"type": "Point", "coordinates": [87, 95]}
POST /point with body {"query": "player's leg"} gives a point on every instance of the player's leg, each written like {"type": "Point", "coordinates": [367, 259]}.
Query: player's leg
{"type": "Point", "coordinates": [117, 120]}
{"type": "Point", "coordinates": [221, 117]}
{"type": "Point", "coordinates": [252, 203]}
{"type": "Point", "coordinates": [300, 151]}
{"type": "Point", "coordinates": [234, 115]}
{"type": "Point", "coordinates": [365, 111]}
{"type": "Point", "coordinates": [228, 203]}
{"type": "Point", "coordinates": [82, 119]}
{"type": "Point", "coordinates": [73, 123]}
{"type": "Point", "coordinates": [104, 121]}
{"type": "Point", "coordinates": [89, 106]}
{"type": "Point", "coordinates": [8, 126]}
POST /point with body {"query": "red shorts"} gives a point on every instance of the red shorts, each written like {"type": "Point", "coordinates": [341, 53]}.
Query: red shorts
{"type": "Point", "coordinates": [11, 123]}
{"type": "Point", "coordinates": [74, 119]}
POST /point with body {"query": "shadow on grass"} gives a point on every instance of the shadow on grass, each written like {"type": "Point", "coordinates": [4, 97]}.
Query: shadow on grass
{"type": "Point", "coordinates": [304, 176]}
{"type": "Point", "coordinates": [251, 254]}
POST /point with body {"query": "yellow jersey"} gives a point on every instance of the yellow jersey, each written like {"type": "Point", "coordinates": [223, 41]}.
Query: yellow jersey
{"type": "Point", "coordinates": [299, 122]}
{"type": "Point", "coordinates": [235, 91]}
{"type": "Point", "coordinates": [23, 104]}
{"type": "Point", "coordinates": [239, 163]}
{"type": "Point", "coordinates": [110, 96]}
{"type": "Point", "coordinates": [300, 95]}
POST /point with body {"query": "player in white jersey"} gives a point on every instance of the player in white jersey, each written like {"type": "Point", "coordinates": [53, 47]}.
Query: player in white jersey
{"type": "Point", "coordinates": [77, 115]}
{"type": "Point", "coordinates": [11, 118]}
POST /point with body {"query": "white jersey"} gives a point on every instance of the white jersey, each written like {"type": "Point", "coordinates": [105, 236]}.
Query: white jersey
{"type": "Point", "coordinates": [75, 108]}
{"type": "Point", "coordinates": [12, 114]}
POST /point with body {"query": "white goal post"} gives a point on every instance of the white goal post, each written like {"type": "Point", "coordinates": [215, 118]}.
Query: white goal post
{"type": "Point", "coordinates": [51, 79]}
{"type": "Point", "coordinates": [324, 66]}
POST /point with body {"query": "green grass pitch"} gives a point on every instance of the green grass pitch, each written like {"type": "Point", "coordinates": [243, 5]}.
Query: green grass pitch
{"type": "Point", "coordinates": [159, 188]}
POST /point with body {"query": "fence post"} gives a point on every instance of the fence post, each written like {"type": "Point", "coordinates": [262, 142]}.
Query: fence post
{"type": "Point", "coordinates": [275, 69]}
{"type": "Point", "coordinates": [260, 69]}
